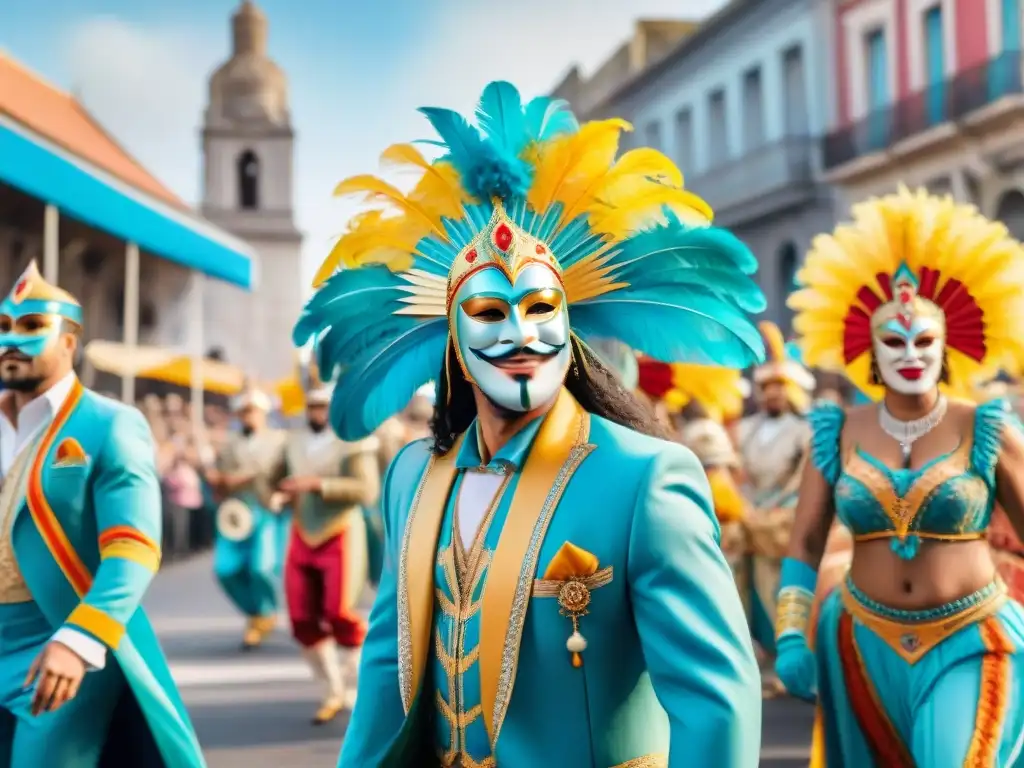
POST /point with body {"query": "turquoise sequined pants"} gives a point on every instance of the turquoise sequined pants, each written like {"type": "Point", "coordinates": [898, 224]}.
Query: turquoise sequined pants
{"type": "Point", "coordinates": [928, 689]}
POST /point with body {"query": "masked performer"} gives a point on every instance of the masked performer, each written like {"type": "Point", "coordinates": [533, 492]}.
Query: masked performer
{"type": "Point", "coordinates": [329, 485]}
{"type": "Point", "coordinates": [248, 553]}
{"type": "Point", "coordinates": [553, 591]}
{"type": "Point", "coordinates": [772, 445]}
{"type": "Point", "coordinates": [919, 651]}
{"type": "Point", "coordinates": [79, 544]}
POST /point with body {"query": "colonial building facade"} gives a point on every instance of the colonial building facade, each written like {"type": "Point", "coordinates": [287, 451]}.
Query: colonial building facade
{"type": "Point", "coordinates": [740, 103]}
{"type": "Point", "coordinates": [929, 92]}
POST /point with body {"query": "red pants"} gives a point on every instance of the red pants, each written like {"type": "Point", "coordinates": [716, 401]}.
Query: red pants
{"type": "Point", "coordinates": [314, 585]}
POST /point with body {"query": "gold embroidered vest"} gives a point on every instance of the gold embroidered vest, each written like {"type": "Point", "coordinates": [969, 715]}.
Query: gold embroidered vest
{"type": "Point", "coordinates": [12, 584]}
{"type": "Point", "coordinates": [459, 578]}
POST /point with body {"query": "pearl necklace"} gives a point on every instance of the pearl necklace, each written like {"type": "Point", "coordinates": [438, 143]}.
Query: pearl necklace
{"type": "Point", "coordinates": [906, 433]}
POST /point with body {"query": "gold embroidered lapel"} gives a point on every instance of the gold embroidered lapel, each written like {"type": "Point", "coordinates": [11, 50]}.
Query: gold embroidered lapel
{"type": "Point", "coordinates": [416, 571]}
{"type": "Point", "coordinates": [556, 453]}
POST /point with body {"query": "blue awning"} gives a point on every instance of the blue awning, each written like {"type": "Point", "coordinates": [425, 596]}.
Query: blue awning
{"type": "Point", "coordinates": [44, 171]}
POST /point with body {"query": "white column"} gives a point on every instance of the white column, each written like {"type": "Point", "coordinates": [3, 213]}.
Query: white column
{"type": "Point", "coordinates": [131, 315]}
{"type": "Point", "coordinates": [51, 244]}
{"type": "Point", "coordinates": [958, 185]}
{"type": "Point", "coordinates": [196, 345]}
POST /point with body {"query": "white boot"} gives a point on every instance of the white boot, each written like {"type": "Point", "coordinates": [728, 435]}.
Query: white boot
{"type": "Point", "coordinates": [323, 660]}
{"type": "Point", "coordinates": [350, 670]}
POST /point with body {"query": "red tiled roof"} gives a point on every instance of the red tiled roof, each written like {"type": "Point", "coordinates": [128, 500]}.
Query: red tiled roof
{"type": "Point", "coordinates": [59, 118]}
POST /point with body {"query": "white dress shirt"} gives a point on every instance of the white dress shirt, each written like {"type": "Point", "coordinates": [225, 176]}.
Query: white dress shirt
{"type": "Point", "coordinates": [35, 416]}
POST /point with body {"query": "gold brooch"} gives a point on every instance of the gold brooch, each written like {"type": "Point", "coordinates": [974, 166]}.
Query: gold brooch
{"type": "Point", "coordinates": [570, 578]}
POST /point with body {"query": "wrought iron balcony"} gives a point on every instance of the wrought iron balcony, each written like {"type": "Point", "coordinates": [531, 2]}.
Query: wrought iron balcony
{"type": "Point", "coordinates": [945, 102]}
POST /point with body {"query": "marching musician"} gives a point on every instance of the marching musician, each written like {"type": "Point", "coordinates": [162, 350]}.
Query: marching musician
{"type": "Point", "coordinates": [330, 485]}
{"type": "Point", "coordinates": [248, 551]}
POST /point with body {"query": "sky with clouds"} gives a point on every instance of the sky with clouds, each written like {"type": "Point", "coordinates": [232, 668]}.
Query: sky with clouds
{"type": "Point", "coordinates": [357, 71]}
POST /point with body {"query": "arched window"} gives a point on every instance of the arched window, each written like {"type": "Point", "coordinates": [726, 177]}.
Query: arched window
{"type": "Point", "coordinates": [248, 180]}
{"type": "Point", "coordinates": [1011, 212]}
{"type": "Point", "coordinates": [787, 265]}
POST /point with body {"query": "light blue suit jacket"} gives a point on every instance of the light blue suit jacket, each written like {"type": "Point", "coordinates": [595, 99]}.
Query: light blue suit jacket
{"type": "Point", "coordinates": [87, 540]}
{"type": "Point", "coordinates": [669, 675]}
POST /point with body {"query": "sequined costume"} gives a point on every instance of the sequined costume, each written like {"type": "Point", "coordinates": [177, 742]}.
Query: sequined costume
{"type": "Point", "coordinates": [79, 547]}
{"type": "Point", "coordinates": [509, 628]}
{"type": "Point", "coordinates": [937, 687]}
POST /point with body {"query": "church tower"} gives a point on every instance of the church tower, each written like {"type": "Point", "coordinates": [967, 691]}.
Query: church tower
{"type": "Point", "coordinates": [248, 189]}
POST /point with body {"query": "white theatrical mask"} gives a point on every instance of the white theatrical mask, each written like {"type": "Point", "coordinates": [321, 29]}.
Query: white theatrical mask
{"type": "Point", "coordinates": [909, 356]}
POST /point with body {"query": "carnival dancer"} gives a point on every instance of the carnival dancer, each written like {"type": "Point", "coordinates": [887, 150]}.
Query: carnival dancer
{"type": "Point", "coordinates": [919, 652]}
{"type": "Point", "coordinates": [772, 445]}
{"type": "Point", "coordinates": [83, 681]}
{"type": "Point", "coordinates": [329, 484]}
{"type": "Point", "coordinates": [552, 574]}
{"type": "Point", "coordinates": [248, 553]}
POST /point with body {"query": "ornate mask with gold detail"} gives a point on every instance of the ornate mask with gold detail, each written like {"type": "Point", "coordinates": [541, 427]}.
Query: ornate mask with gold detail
{"type": "Point", "coordinates": [508, 316]}
{"type": "Point", "coordinates": [908, 336]}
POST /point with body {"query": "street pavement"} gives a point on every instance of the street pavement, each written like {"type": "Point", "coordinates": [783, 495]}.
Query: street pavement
{"type": "Point", "coordinates": [252, 710]}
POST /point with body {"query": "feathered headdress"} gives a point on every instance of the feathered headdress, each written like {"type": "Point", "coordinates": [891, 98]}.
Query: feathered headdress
{"type": "Point", "coordinates": [634, 252]}
{"type": "Point", "coordinates": [912, 248]}
{"type": "Point", "coordinates": [782, 366]}
{"type": "Point", "coordinates": [719, 391]}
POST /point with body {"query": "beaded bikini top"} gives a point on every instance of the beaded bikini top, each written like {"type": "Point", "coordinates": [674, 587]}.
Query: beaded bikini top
{"type": "Point", "coordinates": [949, 498]}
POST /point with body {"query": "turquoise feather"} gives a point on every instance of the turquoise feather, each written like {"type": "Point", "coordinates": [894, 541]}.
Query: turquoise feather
{"type": "Point", "coordinates": [501, 118]}
{"type": "Point", "coordinates": [678, 325]}
{"type": "Point", "coordinates": [378, 384]}
{"type": "Point", "coordinates": [547, 118]}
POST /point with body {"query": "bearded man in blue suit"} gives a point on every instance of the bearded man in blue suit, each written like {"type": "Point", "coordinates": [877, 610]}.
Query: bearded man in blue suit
{"type": "Point", "coordinates": [83, 681]}
{"type": "Point", "coordinates": [553, 591]}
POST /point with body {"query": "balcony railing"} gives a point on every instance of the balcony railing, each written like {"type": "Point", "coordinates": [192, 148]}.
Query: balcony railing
{"type": "Point", "coordinates": [757, 173]}
{"type": "Point", "coordinates": [943, 102]}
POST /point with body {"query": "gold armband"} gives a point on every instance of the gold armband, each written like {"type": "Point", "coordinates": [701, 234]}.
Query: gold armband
{"type": "Point", "coordinates": [793, 612]}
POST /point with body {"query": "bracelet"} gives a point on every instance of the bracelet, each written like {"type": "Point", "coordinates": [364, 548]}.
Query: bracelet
{"type": "Point", "coordinates": [793, 612]}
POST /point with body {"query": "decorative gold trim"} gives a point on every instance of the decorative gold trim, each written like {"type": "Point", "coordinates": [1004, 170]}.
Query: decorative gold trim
{"type": "Point", "coordinates": [557, 451]}
{"type": "Point", "coordinates": [416, 594]}
{"type": "Point", "coordinates": [902, 511]}
{"type": "Point", "coordinates": [913, 640]}
{"type": "Point", "coordinates": [552, 587]}
{"type": "Point", "coordinates": [645, 761]}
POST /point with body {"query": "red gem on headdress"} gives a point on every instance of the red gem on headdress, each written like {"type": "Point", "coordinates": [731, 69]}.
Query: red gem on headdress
{"type": "Point", "coordinates": [471, 255]}
{"type": "Point", "coordinates": [20, 288]}
{"type": "Point", "coordinates": [503, 237]}
{"type": "Point", "coordinates": [541, 249]}
{"type": "Point", "coordinates": [905, 296]}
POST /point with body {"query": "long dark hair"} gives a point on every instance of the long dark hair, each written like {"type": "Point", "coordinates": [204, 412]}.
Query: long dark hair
{"type": "Point", "coordinates": [594, 386]}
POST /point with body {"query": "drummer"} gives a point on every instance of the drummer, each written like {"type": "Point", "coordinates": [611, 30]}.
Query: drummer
{"type": "Point", "coordinates": [248, 555]}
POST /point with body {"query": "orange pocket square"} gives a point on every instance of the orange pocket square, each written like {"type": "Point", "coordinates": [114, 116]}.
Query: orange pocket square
{"type": "Point", "coordinates": [70, 453]}
{"type": "Point", "coordinates": [570, 577]}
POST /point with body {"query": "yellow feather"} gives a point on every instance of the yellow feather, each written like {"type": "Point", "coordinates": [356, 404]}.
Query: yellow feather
{"type": "Point", "coordinates": [376, 190]}
{"type": "Point", "coordinates": [642, 204]}
{"type": "Point", "coordinates": [636, 165]}
{"type": "Point", "coordinates": [774, 342]}
{"type": "Point", "coordinates": [438, 189]}
{"type": "Point", "coordinates": [565, 167]}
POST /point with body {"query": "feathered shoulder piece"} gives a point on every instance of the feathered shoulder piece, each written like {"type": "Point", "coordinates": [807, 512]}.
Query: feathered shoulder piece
{"type": "Point", "coordinates": [635, 251]}
{"type": "Point", "coordinates": [913, 252]}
